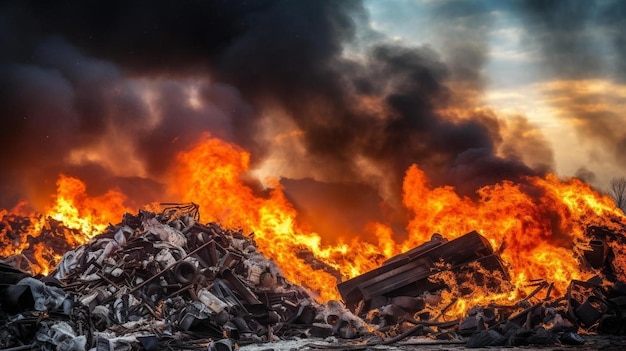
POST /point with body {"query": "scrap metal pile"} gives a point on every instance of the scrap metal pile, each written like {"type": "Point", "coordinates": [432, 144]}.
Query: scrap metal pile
{"type": "Point", "coordinates": [165, 281]}
{"type": "Point", "coordinates": [398, 297]}
{"type": "Point", "coordinates": [160, 280]}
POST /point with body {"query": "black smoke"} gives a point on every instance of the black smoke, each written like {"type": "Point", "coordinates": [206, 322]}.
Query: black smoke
{"type": "Point", "coordinates": [73, 75]}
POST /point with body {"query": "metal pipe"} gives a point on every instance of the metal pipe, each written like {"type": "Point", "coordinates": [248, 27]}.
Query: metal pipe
{"type": "Point", "coordinates": [19, 348]}
{"type": "Point", "coordinates": [142, 284]}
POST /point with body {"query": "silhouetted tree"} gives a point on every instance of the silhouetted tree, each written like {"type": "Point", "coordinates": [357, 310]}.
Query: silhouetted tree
{"type": "Point", "coordinates": [617, 191]}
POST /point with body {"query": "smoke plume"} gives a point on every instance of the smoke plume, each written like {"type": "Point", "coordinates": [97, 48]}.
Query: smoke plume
{"type": "Point", "coordinates": [114, 90]}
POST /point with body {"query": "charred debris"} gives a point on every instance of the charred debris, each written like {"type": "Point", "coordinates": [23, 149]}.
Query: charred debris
{"type": "Point", "coordinates": [167, 282]}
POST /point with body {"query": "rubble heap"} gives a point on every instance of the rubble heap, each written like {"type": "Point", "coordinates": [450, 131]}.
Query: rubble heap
{"type": "Point", "coordinates": [166, 281]}
{"type": "Point", "coordinates": [397, 298]}
{"type": "Point", "coordinates": [161, 278]}
{"type": "Point", "coordinates": [51, 239]}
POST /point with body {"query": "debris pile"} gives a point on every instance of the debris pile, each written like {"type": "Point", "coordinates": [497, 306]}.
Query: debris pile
{"type": "Point", "coordinates": [52, 238]}
{"type": "Point", "coordinates": [397, 298]}
{"type": "Point", "coordinates": [162, 278]}
{"type": "Point", "coordinates": [409, 273]}
{"type": "Point", "coordinates": [165, 281]}
{"type": "Point", "coordinates": [587, 306]}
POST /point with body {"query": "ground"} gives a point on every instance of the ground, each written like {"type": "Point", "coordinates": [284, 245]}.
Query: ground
{"type": "Point", "coordinates": [596, 342]}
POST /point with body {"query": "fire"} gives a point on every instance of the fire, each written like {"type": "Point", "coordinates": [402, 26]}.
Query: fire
{"type": "Point", "coordinates": [538, 226]}
{"type": "Point", "coordinates": [211, 175]}
{"type": "Point", "coordinates": [79, 217]}
{"type": "Point", "coordinates": [10, 243]}
{"type": "Point", "coordinates": [77, 210]}
{"type": "Point", "coordinates": [41, 253]}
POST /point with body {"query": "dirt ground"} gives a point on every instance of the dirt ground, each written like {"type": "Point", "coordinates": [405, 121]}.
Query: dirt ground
{"type": "Point", "coordinates": [605, 343]}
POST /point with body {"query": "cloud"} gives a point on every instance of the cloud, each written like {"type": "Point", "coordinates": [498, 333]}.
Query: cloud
{"type": "Point", "coordinates": [593, 107]}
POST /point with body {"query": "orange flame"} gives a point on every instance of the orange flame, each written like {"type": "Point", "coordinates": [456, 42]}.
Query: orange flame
{"type": "Point", "coordinates": [77, 210]}
{"type": "Point", "coordinates": [82, 216]}
{"type": "Point", "coordinates": [539, 225]}
{"type": "Point", "coordinates": [211, 175]}
{"type": "Point", "coordinates": [542, 232]}
{"type": "Point", "coordinates": [11, 244]}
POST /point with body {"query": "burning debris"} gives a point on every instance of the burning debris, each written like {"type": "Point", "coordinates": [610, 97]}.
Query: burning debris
{"type": "Point", "coordinates": [165, 280]}
{"type": "Point", "coordinates": [405, 297]}
{"type": "Point", "coordinates": [35, 253]}
{"type": "Point", "coordinates": [408, 274]}
{"type": "Point", "coordinates": [161, 278]}
{"type": "Point", "coordinates": [331, 101]}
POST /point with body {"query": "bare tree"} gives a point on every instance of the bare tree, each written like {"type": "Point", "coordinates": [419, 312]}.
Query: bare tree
{"type": "Point", "coordinates": [617, 191]}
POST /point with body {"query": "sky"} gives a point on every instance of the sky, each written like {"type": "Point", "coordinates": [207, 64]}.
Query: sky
{"type": "Point", "coordinates": [558, 64]}
{"type": "Point", "coordinates": [320, 93]}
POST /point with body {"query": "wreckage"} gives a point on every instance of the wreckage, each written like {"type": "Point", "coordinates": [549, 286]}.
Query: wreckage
{"type": "Point", "coordinates": [164, 281]}
{"type": "Point", "coordinates": [394, 297]}
{"type": "Point", "coordinates": [159, 278]}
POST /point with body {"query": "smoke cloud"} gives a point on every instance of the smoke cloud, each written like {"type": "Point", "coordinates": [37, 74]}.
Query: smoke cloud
{"type": "Point", "coordinates": [113, 90]}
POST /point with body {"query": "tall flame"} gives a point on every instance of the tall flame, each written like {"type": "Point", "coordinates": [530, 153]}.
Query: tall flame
{"type": "Point", "coordinates": [538, 225]}
{"type": "Point", "coordinates": [211, 175]}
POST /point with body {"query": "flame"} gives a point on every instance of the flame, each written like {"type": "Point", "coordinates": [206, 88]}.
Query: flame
{"type": "Point", "coordinates": [12, 244]}
{"type": "Point", "coordinates": [211, 175]}
{"type": "Point", "coordinates": [538, 225]}
{"type": "Point", "coordinates": [90, 215]}
{"type": "Point", "coordinates": [45, 257]}
{"type": "Point", "coordinates": [80, 217]}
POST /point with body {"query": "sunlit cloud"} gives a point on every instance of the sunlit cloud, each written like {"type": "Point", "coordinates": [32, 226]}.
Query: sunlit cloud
{"type": "Point", "coordinates": [581, 118]}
